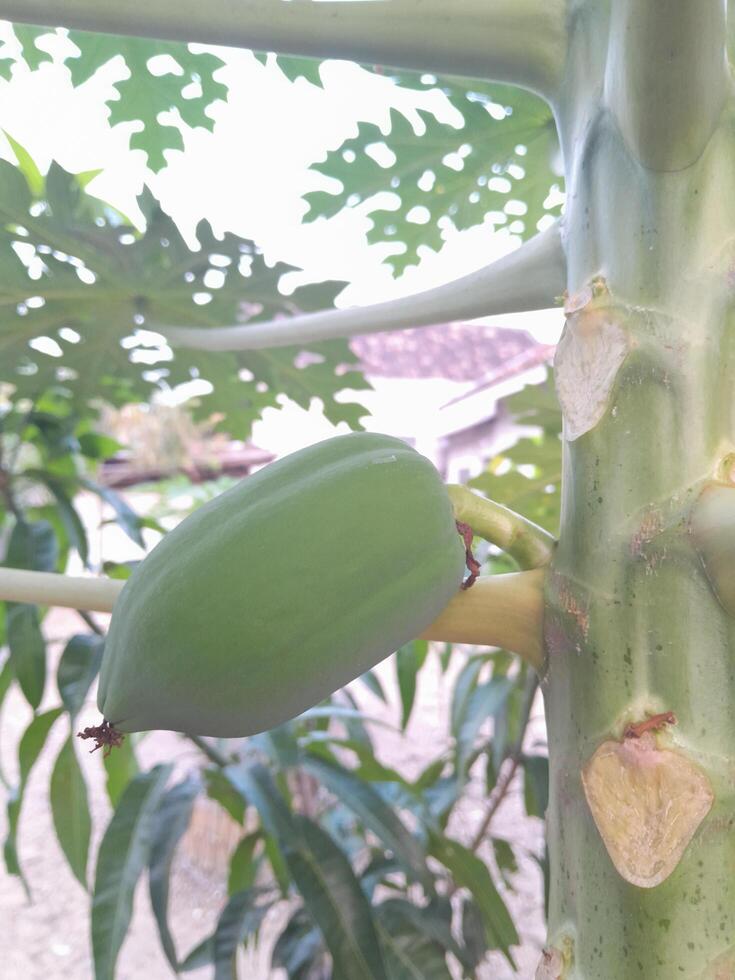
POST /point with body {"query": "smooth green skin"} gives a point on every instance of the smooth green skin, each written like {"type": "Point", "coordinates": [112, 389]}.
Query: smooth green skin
{"type": "Point", "coordinates": [281, 590]}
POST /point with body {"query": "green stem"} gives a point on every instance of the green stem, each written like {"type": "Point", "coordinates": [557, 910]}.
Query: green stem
{"type": "Point", "coordinates": [531, 278]}
{"type": "Point", "coordinates": [517, 41]}
{"type": "Point", "coordinates": [213, 754]}
{"type": "Point", "coordinates": [530, 545]}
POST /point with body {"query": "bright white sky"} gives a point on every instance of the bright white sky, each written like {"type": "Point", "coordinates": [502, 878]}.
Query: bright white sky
{"type": "Point", "coordinates": [248, 176]}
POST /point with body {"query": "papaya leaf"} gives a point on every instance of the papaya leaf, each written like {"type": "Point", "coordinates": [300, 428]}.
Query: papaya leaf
{"type": "Point", "coordinates": [169, 825]}
{"type": "Point", "coordinates": [70, 810]}
{"type": "Point", "coordinates": [335, 901]}
{"type": "Point", "coordinates": [27, 651]}
{"type": "Point", "coordinates": [122, 856]}
{"type": "Point", "coordinates": [471, 873]}
{"type": "Point", "coordinates": [493, 166]}
{"type": "Point", "coordinates": [362, 799]}
{"type": "Point", "coordinates": [31, 743]}
{"type": "Point", "coordinates": [121, 767]}
{"type": "Point", "coordinates": [79, 665]}
{"type": "Point", "coordinates": [133, 280]}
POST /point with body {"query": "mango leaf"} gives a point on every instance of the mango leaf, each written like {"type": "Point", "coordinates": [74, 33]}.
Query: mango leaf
{"type": "Point", "coordinates": [241, 918]}
{"type": "Point", "coordinates": [471, 873]}
{"type": "Point", "coordinates": [536, 785]}
{"type": "Point", "coordinates": [70, 810]}
{"type": "Point", "coordinates": [335, 900]}
{"type": "Point", "coordinates": [70, 518]}
{"type": "Point", "coordinates": [299, 946]}
{"type": "Point", "coordinates": [31, 743]}
{"type": "Point", "coordinates": [485, 702]}
{"type": "Point", "coordinates": [363, 800]}
{"type": "Point", "coordinates": [202, 955]}
{"type": "Point", "coordinates": [79, 665]}
{"type": "Point", "coordinates": [6, 679]}
{"type": "Point", "coordinates": [222, 790]}
{"type": "Point", "coordinates": [409, 661]}
{"type": "Point", "coordinates": [27, 651]}
{"type": "Point", "coordinates": [494, 165]}
{"type": "Point", "coordinates": [169, 825]}
{"type": "Point", "coordinates": [125, 516]}
{"type": "Point", "coordinates": [410, 954]}
{"type": "Point", "coordinates": [32, 546]}
{"type": "Point", "coordinates": [244, 864]}
{"type": "Point", "coordinates": [372, 682]}
{"type": "Point", "coordinates": [463, 687]}
{"type": "Point", "coordinates": [123, 854]}
{"type": "Point", "coordinates": [120, 767]}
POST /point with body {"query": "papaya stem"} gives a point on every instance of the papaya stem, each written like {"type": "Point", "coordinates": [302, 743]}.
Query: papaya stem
{"type": "Point", "coordinates": [498, 611]}
{"type": "Point", "coordinates": [53, 589]}
{"type": "Point", "coordinates": [529, 544]}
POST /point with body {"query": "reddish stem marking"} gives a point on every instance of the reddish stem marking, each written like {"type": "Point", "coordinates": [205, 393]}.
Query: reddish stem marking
{"type": "Point", "coordinates": [651, 724]}
{"type": "Point", "coordinates": [472, 563]}
{"type": "Point", "coordinates": [105, 736]}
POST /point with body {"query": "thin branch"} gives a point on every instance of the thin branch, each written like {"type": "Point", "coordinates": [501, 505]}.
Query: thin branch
{"type": "Point", "coordinates": [531, 278]}
{"type": "Point", "coordinates": [529, 544]}
{"type": "Point", "coordinates": [518, 41]}
{"type": "Point", "coordinates": [498, 611]}
{"type": "Point", "coordinates": [213, 754]}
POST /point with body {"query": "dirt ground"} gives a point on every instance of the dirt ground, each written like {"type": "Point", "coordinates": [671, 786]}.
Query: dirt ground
{"type": "Point", "coordinates": [48, 938]}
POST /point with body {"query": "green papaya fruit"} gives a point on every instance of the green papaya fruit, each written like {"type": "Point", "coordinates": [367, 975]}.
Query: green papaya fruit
{"type": "Point", "coordinates": [281, 590]}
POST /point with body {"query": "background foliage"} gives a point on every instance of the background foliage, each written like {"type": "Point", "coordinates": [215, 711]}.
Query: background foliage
{"type": "Point", "coordinates": [376, 884]}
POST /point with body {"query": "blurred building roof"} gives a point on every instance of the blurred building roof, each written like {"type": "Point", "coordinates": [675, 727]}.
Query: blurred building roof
{"type": "Point", "coordinates": [454, 351]}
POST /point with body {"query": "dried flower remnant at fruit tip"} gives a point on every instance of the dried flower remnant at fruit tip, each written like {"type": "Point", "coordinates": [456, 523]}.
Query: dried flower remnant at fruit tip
{"type": "Point", "coordinates": [105, 736]}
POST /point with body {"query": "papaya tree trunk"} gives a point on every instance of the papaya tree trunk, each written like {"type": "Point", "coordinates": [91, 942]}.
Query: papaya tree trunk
{"type": "Point", "coordinates": [639, 680]}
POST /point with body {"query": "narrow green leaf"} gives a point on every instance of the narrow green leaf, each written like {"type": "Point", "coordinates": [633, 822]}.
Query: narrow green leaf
{"type": "Point", "coordinates": [240, 918]}
{"type": "Point", "coordinates": [409, 660]}
{"type": "Point", "coordinates": [202, 955]}
{"type": "Point", "coordinates": [220, 789]}
{"type": "Point", "coordinates": [120, 766]}
{"type": "Point", "coordinates": [255, 784]}
{"type": "Point", "coordinates": [371, 680]}
{"type": "Point", "coordinates": [70, 810]}
{"type": "Point", "coordinates": [31, 743]}
{"type": "Point", "coordinates": [27, 651]}
{"type": "Point", "coordinates": [125, 516]}
{"type": "Point", "coordinates": [335, 901]}
{"type": "Point", "coordinates": [536, 785]}
{"type": "Point", "coordinates": [484, 702]}
{"type": "Point", "coordinates": [463, 687]}
{"type": "Point", "coordinates": [78, 667]}
{"type": "Point", "coordinates": [244, 864]}
{"type": "Point", "coordinates": [278, 864]}
{"type": "Point", "coordinates": [122, 856]}
{"type": "Point", "coordinates": [170, 823]}
{"type": "Point", "coordinates": [6, 679]}
{"type": "Point", "coordinates": [32, 546]}
{"type": "Point", "coordinates": [471, 873]}
{"type": "Point", "coordinates": [299, 946]}
{"type": "Point", "coordinates": [70, 518]}
{"type": "Point", "coordinates": [363, 800]}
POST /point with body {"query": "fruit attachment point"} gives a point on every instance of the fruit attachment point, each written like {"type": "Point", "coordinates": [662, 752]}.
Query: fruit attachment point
{"type": "Point", "coordinates": [473, 564]}
{"type": "Point", "coordinates": [105, 736]}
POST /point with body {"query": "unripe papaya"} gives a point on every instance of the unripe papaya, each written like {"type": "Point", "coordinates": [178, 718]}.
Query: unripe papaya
{"type": "Point", "coordinates": [281, 590]}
